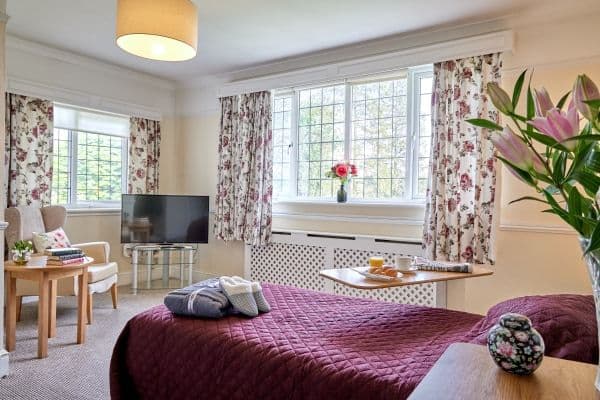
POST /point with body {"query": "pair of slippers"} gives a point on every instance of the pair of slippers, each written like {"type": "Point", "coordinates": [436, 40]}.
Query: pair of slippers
{"type": "Point", "coordinates": [246, 297]}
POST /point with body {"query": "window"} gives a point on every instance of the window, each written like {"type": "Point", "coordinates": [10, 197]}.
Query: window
{"type": "Point", "coordinates": [282, 117]}
{"type": "Point", "coordinates": [90, 157]}
{"type": "Point", "coordinates": [382, 125]}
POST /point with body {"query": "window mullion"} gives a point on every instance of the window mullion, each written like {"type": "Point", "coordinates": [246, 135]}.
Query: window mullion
{"type": "Point", "coordinates": [411, 127]}
{"type": "Point", "coordinates": [73, 167]}
{"type": "Point", "coordinates": [416, 100]}
{"type": "Point", "coordinates": [293, 176]}
{"type": "Point", "coordinates": [347, 121]}
{"type": "Point", "coordinates": [348, 128]}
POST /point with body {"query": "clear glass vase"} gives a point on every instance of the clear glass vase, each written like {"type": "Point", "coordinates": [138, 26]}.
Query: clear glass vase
{"type": "Point", "coordinates": [592, 260]}
{"type": "Point", "coordinates": [21, 257]}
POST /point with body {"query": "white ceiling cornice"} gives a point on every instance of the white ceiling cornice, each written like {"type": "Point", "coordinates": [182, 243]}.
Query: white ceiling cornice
{"type": "Point", "coordinates": [37, 49]}
{"type": "Point", "coordinates": [501, 41]}
{"type": "Point", "coordinates": [351, 53]}
{"type": "Point", "coordinates": [378, 47]}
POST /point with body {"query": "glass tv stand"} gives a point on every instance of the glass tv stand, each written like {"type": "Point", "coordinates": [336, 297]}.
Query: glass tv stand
{"type": "Point", "coordinates": [155, 256]}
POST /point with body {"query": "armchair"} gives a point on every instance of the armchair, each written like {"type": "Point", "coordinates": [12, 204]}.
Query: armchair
{"type": "Point", "coordinates": [102, 275]}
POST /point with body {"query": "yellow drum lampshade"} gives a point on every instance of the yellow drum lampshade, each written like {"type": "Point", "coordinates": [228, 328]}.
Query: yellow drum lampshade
{"type": "Point", "coordinates": [165, 30]}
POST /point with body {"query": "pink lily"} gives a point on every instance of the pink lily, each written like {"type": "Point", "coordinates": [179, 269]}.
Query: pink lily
{"type": "Point", "coordinates": [543, 103]}
{"type": "Point", "coordinates": [514, 150]}
{"type": "Point", "coordinates": [559, 125]}
{"type": "Point", "coordinates": [585, 89]}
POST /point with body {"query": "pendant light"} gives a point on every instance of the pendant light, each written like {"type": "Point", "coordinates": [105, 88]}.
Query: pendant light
{"type": "Point", "coordinates": [165, 30]}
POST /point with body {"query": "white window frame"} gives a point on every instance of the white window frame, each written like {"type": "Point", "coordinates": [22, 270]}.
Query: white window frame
{"type": "Point", "coordinates": [73, 202]}
{"type": "Point", "coordinates": [413, 75]}
{"type": "Point", "coordinates": [414, 110]}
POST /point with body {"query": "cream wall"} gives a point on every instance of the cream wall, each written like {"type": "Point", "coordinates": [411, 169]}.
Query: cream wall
{"type": "Point", "coordinates": [535, 253]}
{"type": "Point", "coordinates": [53, 74]}
{"type": "Point", "coordinates": [199, 177]}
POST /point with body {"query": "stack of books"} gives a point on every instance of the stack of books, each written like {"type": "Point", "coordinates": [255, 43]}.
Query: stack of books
{"type": "Point", "coordinates": [64, 256]}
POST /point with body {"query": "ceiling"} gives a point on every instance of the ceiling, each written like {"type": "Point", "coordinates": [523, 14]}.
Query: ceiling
{"type": "Point", "coordinates": [238, 34]}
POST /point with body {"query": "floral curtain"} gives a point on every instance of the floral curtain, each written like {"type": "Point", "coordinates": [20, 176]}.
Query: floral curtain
{"type": "Point", "coordinates": [245, 169]}
{"type": "Point", "coordinates": [144, 155]}
{"type": "Point", "coordinates": [28, 151]}
{"type": "Point", "coordinates": [459, 218]}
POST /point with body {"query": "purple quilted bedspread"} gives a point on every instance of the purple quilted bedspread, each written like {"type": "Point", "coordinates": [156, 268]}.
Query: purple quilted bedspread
{"type": "Point", "coordinates": [310, 346]}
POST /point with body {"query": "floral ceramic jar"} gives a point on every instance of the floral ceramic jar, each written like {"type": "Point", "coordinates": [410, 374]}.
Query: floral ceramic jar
{"type": "Point", "coordinates": [515, 346]}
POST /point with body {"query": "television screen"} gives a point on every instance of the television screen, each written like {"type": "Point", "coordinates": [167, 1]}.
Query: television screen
{"type": "Point", "coordinates": [147, 218]}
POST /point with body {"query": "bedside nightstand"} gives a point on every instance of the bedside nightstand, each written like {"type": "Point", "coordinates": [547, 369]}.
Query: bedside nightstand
{"type": "Point", "coordinates": [467, 372]}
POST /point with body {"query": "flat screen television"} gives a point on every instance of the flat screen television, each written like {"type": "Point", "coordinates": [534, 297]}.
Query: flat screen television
{"type": "Point", "coordinates": [162, 219]}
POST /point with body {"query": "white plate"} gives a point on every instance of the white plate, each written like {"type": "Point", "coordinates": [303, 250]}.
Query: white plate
{"type": "Point", "coordinates": [411, 270]}
{"type": "Point", "coordinates": [377, 277]}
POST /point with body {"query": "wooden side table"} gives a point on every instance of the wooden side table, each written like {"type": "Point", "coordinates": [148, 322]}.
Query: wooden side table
{"type": "Point", "coordinates": [349, 277]}
{"type": "Point", "coordinates": [46, 276]}
{"type": "Point", "coordinates": [467, 372]}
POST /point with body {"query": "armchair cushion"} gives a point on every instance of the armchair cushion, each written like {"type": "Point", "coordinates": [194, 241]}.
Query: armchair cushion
{"type": "Point", "coordinates": [53, 239]}
{"type": "Point", "coordinates": [100, 272]}
{"type": "Point", "coordinates": [99, 251]}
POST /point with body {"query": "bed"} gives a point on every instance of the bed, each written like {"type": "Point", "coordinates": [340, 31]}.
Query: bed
{"type": "Point", "coordinates": [319, 346]}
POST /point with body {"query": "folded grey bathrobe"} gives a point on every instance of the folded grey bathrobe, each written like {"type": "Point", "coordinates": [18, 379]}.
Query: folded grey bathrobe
{"type": "Point", "coordinates": [202, 299]}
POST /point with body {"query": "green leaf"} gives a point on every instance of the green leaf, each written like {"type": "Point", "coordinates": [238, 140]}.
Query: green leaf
{"type": "Point", "coordinates": [544, 139]}
{"type": "Point", "coordinates": [530, 104]}
{"type": "Point", "coordinates": [559, 161]}
{"type": "Point", "coordinates": [527, 198]}
{"type": "Point", "coordinates": [563, 100]}
{"type": "Point", "coordinates": [518, 88]}
{"type": "Point", "coordinates": [484, 123]}
{"type": "Point", "coordinates": [595, 103]}
{"type": "Point", "coordinates": [588, 180]}
{"type": "Point", "coordinates": [543, 178]}
{"type": "Point", "coordinates": [592, 161]}
{"type": "Point", "coordinates": [594, 243]}
{"type": "Point", "coordinates": [556, 208]}
{"type": "Point", "coordinates": [591, 137]}
{"type": "Point", "coordinates": [519, 117]}
{"type": "Point", "coordinates": [574, 205]}
{"type": "Point", "coordinates": [526, 176]}
{"type": "Point", "coordinates": [581, 156]}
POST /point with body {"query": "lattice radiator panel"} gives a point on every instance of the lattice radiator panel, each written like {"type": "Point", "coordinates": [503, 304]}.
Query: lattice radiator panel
{"type": "Point", "coordinates": [295, 259]}
{"type": "Point", "coordinates": [288, 264]}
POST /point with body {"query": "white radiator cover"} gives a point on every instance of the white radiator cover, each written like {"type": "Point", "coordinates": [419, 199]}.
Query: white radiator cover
{"type": "Point", "coordinates": [295, 259]}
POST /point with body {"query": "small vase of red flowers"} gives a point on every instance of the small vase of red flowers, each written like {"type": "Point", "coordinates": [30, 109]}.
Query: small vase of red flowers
{"type": "Point", "coordinates": [342, 171]}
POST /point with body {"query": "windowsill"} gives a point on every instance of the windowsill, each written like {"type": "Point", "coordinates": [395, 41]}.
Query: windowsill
{"type": "Point", "coordinates": [88, 211]}
{"type": "Point", "coordinates": [409, 213]}
{"type": "Point", "coordinates": [356, 203]}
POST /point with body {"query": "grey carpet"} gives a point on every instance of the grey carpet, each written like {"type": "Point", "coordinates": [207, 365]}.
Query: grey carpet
{"type": "Point", "coordinates": [71, 371]}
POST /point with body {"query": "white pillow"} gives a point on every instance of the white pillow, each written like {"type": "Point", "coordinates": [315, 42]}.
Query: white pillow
{"type": "Point", "coordinates": [50, 240]}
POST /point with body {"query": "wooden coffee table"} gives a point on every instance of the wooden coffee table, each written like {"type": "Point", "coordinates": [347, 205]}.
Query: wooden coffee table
{"type": "Point", "coordinates": [349, 277]}
{"type": "Point", "coordinates": [46, 276]}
